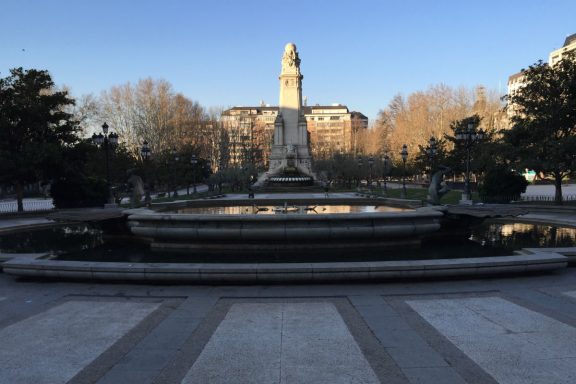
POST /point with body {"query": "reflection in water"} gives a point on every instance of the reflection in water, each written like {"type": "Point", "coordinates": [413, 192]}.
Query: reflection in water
{"type": "Point", "coordinates": [517, 235]}
{"type": "Point", "coordinates": [59, 239]}
{"type": "Point", "coordinates": [287, 209]}
{"type": "Point", "coordinates": [84, 242]}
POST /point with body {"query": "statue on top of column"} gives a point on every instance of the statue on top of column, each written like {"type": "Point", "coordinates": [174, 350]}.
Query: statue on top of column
{"type": "Point", "coordinates": [290, 59]}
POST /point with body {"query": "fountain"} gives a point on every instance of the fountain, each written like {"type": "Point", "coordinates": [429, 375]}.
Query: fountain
{"type": "Point", "coordinates": [283, 231]}
{"type": "Point", "coordinates": [293, 227]}
{"type": "Point", "coordinates": [376, 245]}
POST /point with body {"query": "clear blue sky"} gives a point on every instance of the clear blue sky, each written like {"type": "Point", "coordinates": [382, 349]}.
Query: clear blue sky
{"type": "Point", "coordinates": [225, 53]}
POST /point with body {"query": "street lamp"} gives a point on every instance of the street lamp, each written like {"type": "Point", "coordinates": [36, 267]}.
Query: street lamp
{"type": "Point", "coordinates": [360, 165]}
{"type": "Point", "coordinates": [176, 158]}
{"type": "Point", "coordinates": [194, 162]}
{"type": "Point", "coordinates": [431, 151]}
{"type": "Point", "coordinates": [385, 161]}
{"type": "Point", "coordinates": [146, 152]}
{"type": "Point", "coordinates": [106, 139]}
{"type": "Point", "coordinates": [468, 137]}
{"type": "Point", "coordinates": [370, 164]}
{"type": "Point", "coordinates": [404, 155]}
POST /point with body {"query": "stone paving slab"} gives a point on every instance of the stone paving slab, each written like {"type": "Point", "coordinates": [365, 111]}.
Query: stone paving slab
{"type": "Point", "coordinates": [513, 344]}
{"type": "Point", "coordinates": [537, 313]}
{"type": "Point", "coordinates": [429, 375]}
{"type": "Point", "coordinates": [281, 343]}
{"type": "Point", "coordinates": [55, 345]}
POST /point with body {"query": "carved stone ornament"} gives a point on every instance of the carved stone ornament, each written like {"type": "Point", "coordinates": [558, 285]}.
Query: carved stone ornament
{"type": "Point", "coordinates": [290, 58]}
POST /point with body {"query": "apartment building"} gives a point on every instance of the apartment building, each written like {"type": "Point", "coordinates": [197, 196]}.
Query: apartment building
{"type": "Point", "coordinates": [332, 128]}
{"type": "Point", "coordinates": [516, 80]}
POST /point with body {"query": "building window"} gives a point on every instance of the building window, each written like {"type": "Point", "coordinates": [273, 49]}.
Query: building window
{"type": "Point", "coordinates": [334, 117]}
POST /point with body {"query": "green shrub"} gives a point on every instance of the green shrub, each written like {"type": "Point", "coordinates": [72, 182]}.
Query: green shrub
{"type": "Point", "coordinates": [502, 186]}
{"type": "Point", "coordinates": [76, 191]}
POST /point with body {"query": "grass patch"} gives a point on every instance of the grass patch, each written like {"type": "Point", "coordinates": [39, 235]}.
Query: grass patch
{"type": "Point", "coordinates": [452, 197]}
{"type": "Point", "coordinates": [165, 199]}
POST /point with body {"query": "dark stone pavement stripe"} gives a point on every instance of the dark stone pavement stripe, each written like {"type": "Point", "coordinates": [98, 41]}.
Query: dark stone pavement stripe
{"type": "Point", "coordinates": [556, 306]}
{"type": "Point", "coordinates": [459, 367]}
{"type": "Point", "coordinates": [381, 362]}
{"type": "Point", "coordinates": [417, 359]}
{"type": "Point", "coordinates": [106, 360]}
{"type": "Point", "coordinates": [146, 360]}
{"type": "Point", "coordinates": [177, 368]}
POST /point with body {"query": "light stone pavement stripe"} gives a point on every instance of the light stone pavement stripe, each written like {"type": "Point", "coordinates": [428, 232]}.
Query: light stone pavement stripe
{"type": "Point", "coordinates": [513, 344]}
{"type": "Point", "coordinates": [55, 345]}
{"type": "Point", "coordinates": [571, 294]}
{"type": "Point", "coordinates": [281, 343]}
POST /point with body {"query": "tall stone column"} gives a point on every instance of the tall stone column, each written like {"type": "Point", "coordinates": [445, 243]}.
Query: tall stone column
{"type": "Point", "coordinates": [290, 151]}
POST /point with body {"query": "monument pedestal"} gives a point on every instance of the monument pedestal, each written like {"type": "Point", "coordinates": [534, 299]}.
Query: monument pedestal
{"type": "Point", "coordinates": [290, 157]}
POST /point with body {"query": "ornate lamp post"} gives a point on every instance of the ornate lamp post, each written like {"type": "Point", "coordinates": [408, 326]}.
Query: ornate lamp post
{"type": "Point", "coordinates": [370, 165]}
{"type": "Point", "coordinates": [468, 137]}
{"type": "Point", "coordinates": [145, 152]}
{"type": "Point", "coordinates": [176, 158]}
{"type": "Point", "coordinates": [360, 165]}
{"type": "Point", "coordinates": [106, 139]}
{"type": "Point", "coordinates": [431, 151]}
{"type": "Point", "coordinates": [194, 162]}
{"type": "Point", "coordinates": [385, 162]}
{"type": "Point", "coordinates": [404, 154]}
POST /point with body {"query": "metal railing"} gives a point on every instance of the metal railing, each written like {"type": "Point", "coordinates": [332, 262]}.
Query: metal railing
{"type": "Point", "coordinates": [547, 199]}
{"type": "Point", "coordinates": [535, 199]}
{"type": "Point", "coordinates": [29, 206]}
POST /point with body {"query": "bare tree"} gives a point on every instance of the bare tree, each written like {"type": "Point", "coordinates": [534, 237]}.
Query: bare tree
{"type": "Point", "coordinates": [414, 119]}
{"type": "Point", "coordinates": [152, 111]}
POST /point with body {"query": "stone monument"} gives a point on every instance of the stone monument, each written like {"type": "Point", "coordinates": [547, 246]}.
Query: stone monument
{"type": "Point", "coordinates": [290, 155]}
{"type": "Point", "coordinates": [438, 187]}
{"type": "Point", "coordinates": [137, 187]}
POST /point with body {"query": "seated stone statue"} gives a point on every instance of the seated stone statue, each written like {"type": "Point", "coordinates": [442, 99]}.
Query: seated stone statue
{"type": "Point", "coordinates": [438, 187]}
{"type": "Point", "coordinates": [137, 187]}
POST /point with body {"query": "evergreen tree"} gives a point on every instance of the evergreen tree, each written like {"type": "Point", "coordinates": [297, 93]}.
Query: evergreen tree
{"type": "Point", "coordinates": [543, 130]}
{"type": "Point", "coordinates": [34, 127]}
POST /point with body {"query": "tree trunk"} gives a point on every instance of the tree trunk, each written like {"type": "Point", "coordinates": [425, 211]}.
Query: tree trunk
{"type": "Point", "coordinates": [558, 191]}
{"type": "Point", "coordinates": [19, 196]}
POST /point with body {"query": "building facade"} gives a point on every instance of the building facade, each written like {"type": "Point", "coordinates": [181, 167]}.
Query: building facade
{"type": "Point", "coordinates": [516, 81]}
{"type": "Point", "coordinates": [250, 130]}
{"type": "Point", "coordinates": [569, 45]}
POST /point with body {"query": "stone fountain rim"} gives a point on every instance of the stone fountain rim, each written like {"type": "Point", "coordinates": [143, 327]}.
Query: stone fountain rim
{"type": "Point", "coordinates": [149, 214]}
{"type": "Point", "coordinates": [193, 273]}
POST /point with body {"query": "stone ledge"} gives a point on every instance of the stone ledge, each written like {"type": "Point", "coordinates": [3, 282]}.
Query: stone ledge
{"type": "Point", "coordinates": [568, 252]}
{"type": "Point", "coordinates": [284, 272]}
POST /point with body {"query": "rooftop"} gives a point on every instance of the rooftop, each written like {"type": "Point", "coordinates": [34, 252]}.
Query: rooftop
{"type": "Point", "coordinates": [307, 109]}
{"type": "Point", "coordinates": [570, 40]}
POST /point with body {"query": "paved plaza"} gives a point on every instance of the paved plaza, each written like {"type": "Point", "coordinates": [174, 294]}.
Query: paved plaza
{"type": "Point", "coordinates": [515, 329]}
{"type": "Point", "coordinates": [507, 330]}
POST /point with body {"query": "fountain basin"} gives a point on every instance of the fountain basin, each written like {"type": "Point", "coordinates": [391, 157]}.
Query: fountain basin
{"type": "Point", "coordinates": [37, 266]}
{"type": "Point", "coordinates": [189, 232]}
